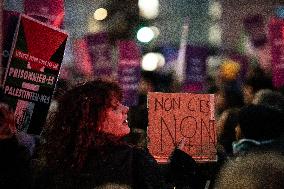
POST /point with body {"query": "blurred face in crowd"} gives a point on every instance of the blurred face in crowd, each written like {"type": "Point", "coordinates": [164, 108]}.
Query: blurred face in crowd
{"type": "Point", "coordinates": [7, 122]}
{"type": "Point", "coordinates": [221, 122]}
{"type": "Point", "coordinates": [238, 132]}
{"type": "Point", "coordinates": [115, 119]}
{"type": "Point", "coordinates": [248, 94]}
{"type": "Point", "coordinates": [219, 102]}
{"type": "Point", "coordinates": [264, 57]}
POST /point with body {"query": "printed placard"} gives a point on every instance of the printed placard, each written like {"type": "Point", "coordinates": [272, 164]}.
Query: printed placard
{"type": "Point", "coordinates": [32, 72]}
{"type": "Point", "coordinates": [182, 119]}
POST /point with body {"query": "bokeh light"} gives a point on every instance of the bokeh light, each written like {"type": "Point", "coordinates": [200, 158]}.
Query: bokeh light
{"type": "Point", "coordinates": [215, 10]}
{"type": "Point", "coordinates": [100, 14]}
{"type": "Point", "coordinates": [151, 61]}
{"type": "Point", "coordinates": [215, 34]}
{"type": "Point", "coordinates": [145, 34]}
{"type": "Point", "coordinates": [148, 8]}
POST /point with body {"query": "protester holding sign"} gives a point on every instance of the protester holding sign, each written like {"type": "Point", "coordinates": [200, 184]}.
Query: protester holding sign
{"type": "Point", "coordinates": [84, 147]}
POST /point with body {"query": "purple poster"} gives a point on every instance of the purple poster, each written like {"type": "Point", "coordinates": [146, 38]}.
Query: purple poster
{"type": "Point", "coordinates": [276, 34]}
{"type": "Point", "coordinates": [129, 71]}
{"type": "Point", "coordinates": [100, 54]}
{"type": "Point", "coordinates": [195, 68]}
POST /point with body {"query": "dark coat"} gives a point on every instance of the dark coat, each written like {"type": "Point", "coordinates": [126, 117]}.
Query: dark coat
{"type": "Point", "coordinates": [120, 164]}
{"type": "Point", "coordinates": [15, 169]}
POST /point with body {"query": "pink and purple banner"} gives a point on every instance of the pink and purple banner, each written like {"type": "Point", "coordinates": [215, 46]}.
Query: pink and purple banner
{"type": "Point", "coordinates": [195, 77]}
{"type": "Point", "coordinates": [48, 11]}
{"type": "Point", "coordinates": [100, 52]}
{"type": "Point", "coordinates": [276, 34]}
{"type": "Point", "coordinates": [129, 70]}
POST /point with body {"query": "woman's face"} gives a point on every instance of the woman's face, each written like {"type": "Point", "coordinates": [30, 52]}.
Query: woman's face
{"type": "Point", "coordinates": [115, 119]}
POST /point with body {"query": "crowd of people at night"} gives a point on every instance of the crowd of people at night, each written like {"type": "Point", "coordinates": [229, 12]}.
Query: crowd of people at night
{"type": "Point", "coordinates": [87, 141]}
{"type": "Point", "coordinates": [91, 140]}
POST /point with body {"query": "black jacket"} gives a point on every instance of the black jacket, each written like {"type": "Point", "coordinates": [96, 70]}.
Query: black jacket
{"type": "Point", "coordinates": [15, 170]}
{"type": "Point", "coordinates": [112, 163]}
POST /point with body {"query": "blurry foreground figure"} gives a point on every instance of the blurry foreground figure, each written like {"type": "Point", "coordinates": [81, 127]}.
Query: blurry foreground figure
{"type": "Point", "coordinates": [228, 96]}
{"type": "Point", "coordinates": [259, 128]}
{"type": "Point", "coordinates": [84, 147]}
{"type": "Point", "coordinates": [226, 134]}
{"type": "Point", "coordinates": [255, 81]}
{"type": "Point", "coordinates": [14, 158]}
{"type": "Point", "coordinates": [113, 186]}
{"type": "Point", "coordinates": [269, 98]}
{"type": "Point", "coordinates": [254, 171]}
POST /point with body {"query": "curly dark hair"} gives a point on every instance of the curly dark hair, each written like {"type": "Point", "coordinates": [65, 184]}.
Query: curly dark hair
{"type": "Point", "coordinates": [72, 130]}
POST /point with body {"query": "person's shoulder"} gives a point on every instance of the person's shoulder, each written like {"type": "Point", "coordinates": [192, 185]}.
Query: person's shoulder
{"type": "Point", "coordinates": [139, 150]}
{"type": "Point", "coordinates": [143, 155]}
{"type": "Point", "coordinates": [130, 148]}
{"type": "Point", "coordinates": [12, 144]}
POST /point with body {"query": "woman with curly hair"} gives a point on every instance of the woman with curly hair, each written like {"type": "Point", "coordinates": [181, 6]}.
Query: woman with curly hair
{"type": "Point", "coordinates": [83, 145]}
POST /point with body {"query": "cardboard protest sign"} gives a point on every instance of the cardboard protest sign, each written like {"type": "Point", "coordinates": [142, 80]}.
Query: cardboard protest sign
{"type": "Point", "coordinates": [32, 72]}
{"type": "Point", "coordinates": [129, 71]}
{"type": "Point", "coordinates": [182, 119]}
{"type": "Point", "coordinates": [276, 37]}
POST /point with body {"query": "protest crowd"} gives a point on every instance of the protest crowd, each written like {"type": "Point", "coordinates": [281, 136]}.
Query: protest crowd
{"type": "Point", "coordinates": [103, 125]}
